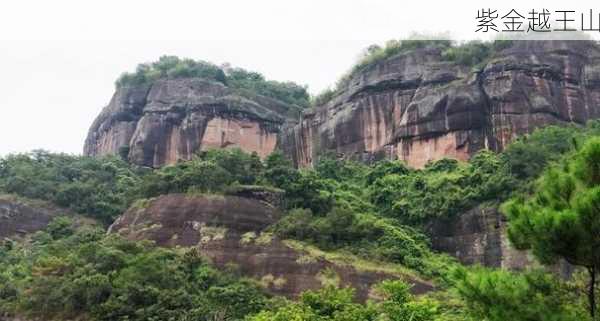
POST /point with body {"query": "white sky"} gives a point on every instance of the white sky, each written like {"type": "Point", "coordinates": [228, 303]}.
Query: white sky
{"type": "Point", "coordinates": [59, 59]}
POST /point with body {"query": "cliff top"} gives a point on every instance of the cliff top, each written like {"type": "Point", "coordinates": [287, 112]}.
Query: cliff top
{"type": "Point", "coordinates": [173, 67]}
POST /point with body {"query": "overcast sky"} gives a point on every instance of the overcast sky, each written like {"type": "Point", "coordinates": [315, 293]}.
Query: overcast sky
{"type": "Point", "coordinates": [59, 59]}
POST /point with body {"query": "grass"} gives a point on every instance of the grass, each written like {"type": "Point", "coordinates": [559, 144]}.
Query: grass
{"type": "Point", "coordinates": [346, 259]}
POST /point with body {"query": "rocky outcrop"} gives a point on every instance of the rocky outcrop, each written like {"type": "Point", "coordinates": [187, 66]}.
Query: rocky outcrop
{"type": "Point", "coordinates": [230, 230]}
{"type": "Point", "coordinates": [477, 236]}
{"type": "Point", "coordinates": [170, 120]}
{"type": "Point", "coordinates": [19, 217]}
{"type": "Point", "coordinates": [417, 107]}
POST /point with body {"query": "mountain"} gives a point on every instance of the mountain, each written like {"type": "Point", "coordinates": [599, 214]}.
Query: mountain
{"type": "Point", "coordinates": [416, 106]}
{"type": "Point", "coordinates": [171, 119]}
{"type": "Point", "coordinates": [419, 106]}
{"type": "Point", "coordinates": [391, 184]}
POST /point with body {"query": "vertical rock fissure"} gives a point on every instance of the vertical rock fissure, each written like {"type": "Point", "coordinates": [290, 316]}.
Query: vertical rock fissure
{"type": "Point", "coordinates": [488, 125]}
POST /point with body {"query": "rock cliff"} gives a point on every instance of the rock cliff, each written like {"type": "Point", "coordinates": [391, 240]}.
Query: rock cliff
{"type": "Point", "coordinates": [170, 120]}
{"type": "Point", "coordinates": [230, 231]}
{"type": "Point", "coordinates": [417, 107]}
{"type": "Point", "coordinates": [478, 236]}
{"type": "Point", "coordinates": [19, 217]}
{"type": "Point", "coordinates": [414, 106]}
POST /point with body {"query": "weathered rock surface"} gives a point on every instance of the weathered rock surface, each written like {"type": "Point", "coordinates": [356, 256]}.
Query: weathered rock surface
{"type": "Point", "coordinates": [230, 231]}
{"type": "Point", "coordinates": [19, 218]}
{"type": "Point", "coordinates": [416, 107]}
{"type": "Point", "coordinates": [478, 237]}
{"type": "Point", "coordinates": [170, 120]}
{"type": "Point", "coordinates": [413, 106]}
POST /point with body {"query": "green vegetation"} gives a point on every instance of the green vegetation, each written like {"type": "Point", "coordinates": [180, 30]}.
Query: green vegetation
{"type": "Point", "coordinates": [64, 273]}
{"type": "Point", "coordinates": [442, 189]}
{"type": "Point", "coordinates": [333, 304]}
{"type": "Point", "coordinates": [209, 172]}
{"type": "Point", "coordinates": [364, 235]}
{"type": "Point", "coordinates": [172, 67]}
{"type": "Point", "coordinates": [101, 188]}
{"type": "Point", "coordinates": [254, 82]}
{"type": "Point", "coordinates": [375, 53]}
{"type": "Point", "coordinates": [498, 295]}
{"type": "Point", "coordinates": [561, 220]}
{"type": "Point", "coordinates": [529, 155]}
{"type": "Point", "coordinates": [372, 217]}
{"type": "Point", "coordinates": [472, 53]}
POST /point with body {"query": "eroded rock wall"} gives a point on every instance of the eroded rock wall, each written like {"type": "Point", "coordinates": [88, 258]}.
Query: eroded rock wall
{"type": "Point", "coordinates": [417, 107]}
{"type": "Point", "coordinates": [478, 236]}
{"type": "Point", "coordinates": [230, 231]}
{"type": "Point", "coordinates": [20, 216]}
{"type": "Point", "coordinates": [170, 120]}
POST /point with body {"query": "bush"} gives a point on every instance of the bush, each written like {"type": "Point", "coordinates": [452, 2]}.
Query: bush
{"type": "Point", "coordinates": [99, 187]}
{"type": "Point", "coordinates": [209, 172]}
{"type": "Point", "coordinates": [472, 53]}
{"type": "Point", "coordinates": [443, 189]}
{"type": "Point", "coordinates": [334, 304]}
{"type": "Point", "coordinates": [172, 67]}
{"type": "Point", "coordinates": [475, 52]}
{"type": "Point", "coordinates": [109, 278]}
{"type": "Point", "coordinates": [323, 97]}
{"type": "Point", "coordinates": [363, 234]}
{"type": "Point", "coordinates": [498, 295]}
{"type": "Point", "coordinates": [288, 92]}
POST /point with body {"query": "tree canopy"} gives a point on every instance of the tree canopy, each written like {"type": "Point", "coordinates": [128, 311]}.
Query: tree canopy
{"type": "Point", "coordinates": [561, 220]}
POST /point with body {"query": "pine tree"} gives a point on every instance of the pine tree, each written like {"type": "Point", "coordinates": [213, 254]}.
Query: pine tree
{"type": "Point", "coordinates": [562, 219]}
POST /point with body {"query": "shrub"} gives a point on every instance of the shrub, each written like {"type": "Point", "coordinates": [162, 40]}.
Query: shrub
{"type": "Point", "coordinates": [99, 187]}
{"type": "Point", "coordinates": [109, 278]}
{"type": "Point", "coordinates": [444, 188]}
{"type": "Point", "coordinates": [498, 295]}
{"type": "Point", "coordinates": [172, 67]}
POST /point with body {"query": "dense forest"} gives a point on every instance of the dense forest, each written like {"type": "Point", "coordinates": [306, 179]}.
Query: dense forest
{"type": "Point", "coordinates": [548, 182]}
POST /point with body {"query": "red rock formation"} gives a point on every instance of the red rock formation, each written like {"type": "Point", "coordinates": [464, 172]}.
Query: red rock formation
{"type": "Point", "coordinates": [417, 107]}
{"type": "Point", "coordinates": [230, 231]}
{"type": "Point", "coordinates": [171, 120]}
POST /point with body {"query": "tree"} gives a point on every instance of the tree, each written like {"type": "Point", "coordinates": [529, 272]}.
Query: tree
{"type": "Point", "coordinates": [562, 218]}
{"type": "Point", "coordinates": [498, 295]}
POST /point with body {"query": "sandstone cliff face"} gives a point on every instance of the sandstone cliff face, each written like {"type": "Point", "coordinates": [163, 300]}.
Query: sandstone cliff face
{"type": "Point", "coordinates": [230, 231]}
{"type": "Point", "coordinates": [170, 120]}
{"type": "Point", "coordinates": [417, 107]}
